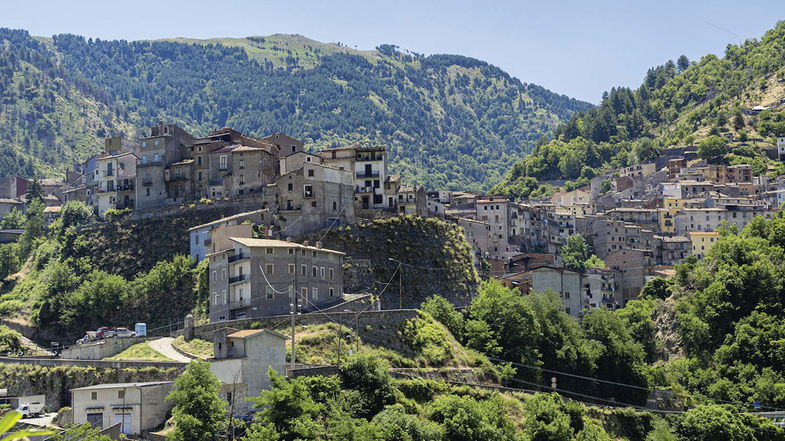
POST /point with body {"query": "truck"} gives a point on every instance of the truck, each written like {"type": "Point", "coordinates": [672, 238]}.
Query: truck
{"type": "Point", "coordinates": [28, 410]}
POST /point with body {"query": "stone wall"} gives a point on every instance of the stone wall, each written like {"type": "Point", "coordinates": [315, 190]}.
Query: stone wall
{"type": "Point", "coordinates": [380, 327]}
{"type": "Point", "coordinates": [358, 275]}
{"type": "Point", "coordinates": [100, 349]}
{"type": "Point", "coordinates": [56, 378]}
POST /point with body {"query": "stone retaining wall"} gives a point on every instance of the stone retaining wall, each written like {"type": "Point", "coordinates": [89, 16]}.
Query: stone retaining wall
{"type": "Point", "coordinates": [380, 327]}
{"type": "Point", "coordinates": [100, 349]}
{"type": "Point", "coordinates": [112, 364]}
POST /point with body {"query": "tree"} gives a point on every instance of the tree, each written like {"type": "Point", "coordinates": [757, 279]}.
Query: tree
{"type": "Point", "coordinates": [682, 63]}
{"type": "Point", "coordinates": [34, 191]}
{"type": "Point", "coordinates": [712, 148]}
{"type": "Point", "coordinates": [14, 219]}
{"type": "Point", "coordinates": [444, 312]}
{"type": "Point", "coordinates": [645, 150]}
{"type": "Point", "coordinates": [711, 422]}
{"type": "Point", "coordinates": [576, 256]}
{"type": "Point", "coordinates": [657, 288]}
{"type": "Point", "coordinates": [369, 375]}
{"type": "Point", "coordinates": [286, 410]}
{"type": "Point", "coordinates": [84, 432]}
{"type": "Point", "coordinates": [199, 412]}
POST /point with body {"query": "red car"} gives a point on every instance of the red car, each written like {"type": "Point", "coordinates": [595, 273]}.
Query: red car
{"type": "Point", "coordinates": [105, 332]}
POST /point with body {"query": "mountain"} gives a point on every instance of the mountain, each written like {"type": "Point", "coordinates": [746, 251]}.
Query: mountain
{"type": "Point", "coordinates": [448, 121]}
{"type": "Point", "coordinates": [677, 104]}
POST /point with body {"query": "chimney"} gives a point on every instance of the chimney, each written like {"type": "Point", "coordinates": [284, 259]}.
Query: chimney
{"type": "Point", "coordinates": [289, 238]}
{"type": "Point", "coordinates": [305, 243]}
{"type": "Point", "coordinates": [319, 244]}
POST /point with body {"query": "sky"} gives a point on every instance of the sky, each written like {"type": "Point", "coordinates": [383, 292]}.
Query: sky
{"type": "Point", "coordinates": [576, 47]}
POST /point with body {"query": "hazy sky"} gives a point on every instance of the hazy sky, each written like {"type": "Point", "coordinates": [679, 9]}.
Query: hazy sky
{"type": "Point", "coordinates": [576, 47]}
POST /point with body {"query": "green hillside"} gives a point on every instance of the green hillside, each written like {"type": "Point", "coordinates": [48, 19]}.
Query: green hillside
{"type": "Point", "coordinates": [449, 121]}
{"type": "Point", "coordinates": [678, 104]}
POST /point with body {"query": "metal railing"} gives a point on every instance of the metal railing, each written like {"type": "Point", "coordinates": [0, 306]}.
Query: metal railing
{"type": "Point", "coordinates": [240, 278]}
{"type": "Point", "coordinates": [236, 257]}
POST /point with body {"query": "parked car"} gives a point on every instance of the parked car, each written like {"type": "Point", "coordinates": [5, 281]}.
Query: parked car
{"type": "Point", "coordinates": [124, 332]}
{"type": "Point", "coordinates": [89, 336]}
{"type": "Point", "coordinates": [30, 409]}
{"type": "Point", "coordinates": [105, 332]}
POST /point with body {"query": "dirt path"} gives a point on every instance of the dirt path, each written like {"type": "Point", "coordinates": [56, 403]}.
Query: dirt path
{"type": "Point", "coordinates": [164, 346]}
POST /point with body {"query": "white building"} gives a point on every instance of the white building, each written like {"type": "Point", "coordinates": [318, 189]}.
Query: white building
{"type": "Point", "coordinates": [136, 406]}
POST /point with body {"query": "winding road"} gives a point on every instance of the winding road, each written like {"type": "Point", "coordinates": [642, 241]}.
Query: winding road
{"type": "Point", "coordinates": [164, 346]}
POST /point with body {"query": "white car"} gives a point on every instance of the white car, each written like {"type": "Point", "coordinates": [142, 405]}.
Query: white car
{"type": "Point", "coordinates": [124, 332]}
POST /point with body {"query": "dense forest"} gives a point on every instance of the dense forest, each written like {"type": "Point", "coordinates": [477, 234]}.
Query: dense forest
{"type": "Point", "coordinates": [678, 104]}
{"type": "Point", "coordinates": [449, 121]}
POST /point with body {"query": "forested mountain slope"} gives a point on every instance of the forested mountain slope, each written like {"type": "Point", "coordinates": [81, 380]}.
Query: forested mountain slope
{"type": "Point", "coordinates": [677, 104]}
{"type": "Point", "coordinates": [449, 121]}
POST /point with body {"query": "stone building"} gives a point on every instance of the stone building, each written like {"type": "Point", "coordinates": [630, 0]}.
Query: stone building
{"type": "Point", "coordinates": [256, 277]}
{"type": "Point", "coordinates": [135, 406]}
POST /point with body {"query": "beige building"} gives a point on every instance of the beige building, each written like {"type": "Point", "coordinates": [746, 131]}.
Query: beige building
{"type": "Point", "coordinates": [256, 277]}
{"type": "Point", "coordinates": [241, 361]}
{"type": "Point", "coordinates": [702, 242]}
{"type": "Point", "coordinates": [114, 181]}
{"type": "Point", "coordinates": [135, 406]}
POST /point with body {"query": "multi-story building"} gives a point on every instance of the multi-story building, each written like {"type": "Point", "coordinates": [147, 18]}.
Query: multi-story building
{"type": "Point", "coordinates": [114, 182]}
{"type": "Point", "coordinates": [709, 219]}
{"type": "Point", "coordinates": [314, 196]}
{"type": "Point", "coordinates": [202, 242]}
{"type": "Point", "coordinates": [369, 166]}
{"type": "Point", "coordinates": [495, 211]}
{"type": "Point", "coordinates": [167, 144]}
{"type": "Point", "coordinates": [262, 277]}
{"type": "Point", "coordinates": [666, 215]}
{"type": "Point", "coordinates": [702, 241]}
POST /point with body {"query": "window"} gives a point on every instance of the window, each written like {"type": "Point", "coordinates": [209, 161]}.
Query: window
{"type": "Point", "coordinates": [94, 395]}
{"type": "Point", "coordinates": [321, 272]}
{"type": "Point", "coordinates": [223, 295]}
{"type": "Point", "coordinates": [242, 163]}
{"type": "Point", "coordinates": [303, 270]}
{"type": "Point", "coordinates": [155, 156]}
{"type": "Point", "coordinates": [215, 275]}
{"type": "Point", "coordinates": [215, 299]}
{"type": "Point", "coordinates": [223, 274]}
{"type": "Point", "coordinates": [121, 394]}
{"type": "Point", "coordinates": [313, 253]}
{"type": "Point", "coordinates": [268, 250]}
{"type": "Point", "coordinates": [242, 180]}
{"type": "Point", "coordinates": [147, 192]}
{"type": "Point", "coordinates": [335, 205]}
{"type": "Point", "coordinates": [200, 176]}
{"type": "Point", "coordinates": [313, 271]}
{"type": "Point", "coordinates": [222, 160]}
{"type": "Point", "coordinates": [310, 172]}
{"type": "Point", "coordinates": [269, 268]}
{"type": "Point", "coordinates": [289, 186]}
{"type": "Point", "coordinates": [308, 191]}
{"type": "Point", "coordinates": [315, 293]}
{"type": "Point", "coordinates": [291, 268]}
{"type": "Point", "coordinates": [198, 160]}
{"type": "Point", "coordinates": [566, 294]}
{"type": "Point", "coordinates": [291, 251]}
{"type": "Point", "coordinates": [304, 293]}
{"type": "Point", "coordinates": [332, 292]}
{"type": "Point", "coordinates": [332, 274]}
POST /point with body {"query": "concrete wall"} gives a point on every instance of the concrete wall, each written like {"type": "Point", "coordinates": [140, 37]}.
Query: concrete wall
{"type": "Point", "coordinates": [100, 349]}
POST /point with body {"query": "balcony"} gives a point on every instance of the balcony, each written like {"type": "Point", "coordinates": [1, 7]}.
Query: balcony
{"type": "Point", "coordinates": [128, 187]}
{"type": "Point", "coordinates": [362, 174]}
{"type": "Point", "coordinates": [242, 303]}
{"type": "Point", "coordinates": [147, 182]}
{"type": "Point", "coordinates": [364, 189]}
{"type": "Point", "coordinates": [236, 257]}
{"type": "Point", "coordinates": [238, 279]}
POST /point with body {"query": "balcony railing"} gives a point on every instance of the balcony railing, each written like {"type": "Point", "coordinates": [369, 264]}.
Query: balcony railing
{"type": "Point", "coordinates": [128, 187]}
{"type": "Point", "coordinates": [237, 279]}
{"type": "Point", "coordinates": [363, 174]}
{"type": "Point", "coordinates": [236, 257]}
{"type": "Point", "coordinates": [242, 303]}
{"type": "Point", "coordinates": [364, 189]}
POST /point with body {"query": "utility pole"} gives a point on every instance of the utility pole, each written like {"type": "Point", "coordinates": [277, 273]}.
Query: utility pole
{"type": "Point", "coordinates": [292, 312]}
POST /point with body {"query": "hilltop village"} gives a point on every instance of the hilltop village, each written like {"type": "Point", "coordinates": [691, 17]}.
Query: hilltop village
{"type": "Point", "coordinates": [595, 247]}
{"type": "Point", "coordinates": [640, 220]}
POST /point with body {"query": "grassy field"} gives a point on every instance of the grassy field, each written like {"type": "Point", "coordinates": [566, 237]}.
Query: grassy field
{"type": "Point", "coordinates": [199, 348]}
{"type": "Point", "coordinates": [140, 352]}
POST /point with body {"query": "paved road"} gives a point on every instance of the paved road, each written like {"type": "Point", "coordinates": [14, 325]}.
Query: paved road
{"type": "Point", "coordinates": [164, 346]}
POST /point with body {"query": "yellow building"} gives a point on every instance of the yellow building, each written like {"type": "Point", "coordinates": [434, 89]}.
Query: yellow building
{"type": "Point", "coordinates": [670, 208]}
{"type": "Point", "coordinates": [702, 242]}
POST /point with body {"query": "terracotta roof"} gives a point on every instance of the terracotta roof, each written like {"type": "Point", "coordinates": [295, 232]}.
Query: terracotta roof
{"type": "Point", "coordinates": [248, 148]}
{"type": "Point", "coordinates": [10, 201]}
{"type": "Point", "coordinates": [183, 162]}
{"type": "Point", "coordinates": [55, 209]}
{"type": "Point", "coordinates": [250, 332]}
